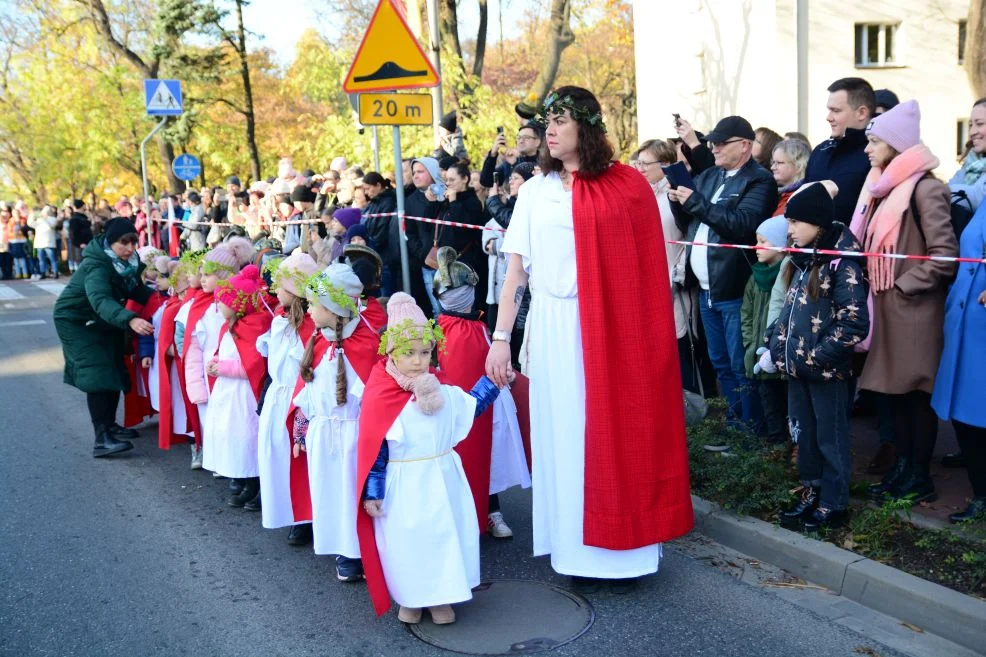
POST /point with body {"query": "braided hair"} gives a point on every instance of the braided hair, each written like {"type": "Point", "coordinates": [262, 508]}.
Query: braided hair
{"type": "Point", "coordinates": [342, 385]}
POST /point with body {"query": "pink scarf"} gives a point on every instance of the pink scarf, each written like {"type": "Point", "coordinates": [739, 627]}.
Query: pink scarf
{"type": "Point", "coordinates": [878, 229]}
{"type": "Point", "coordinates": [426, 388]}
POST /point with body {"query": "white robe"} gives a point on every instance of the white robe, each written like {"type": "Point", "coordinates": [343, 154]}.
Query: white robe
{"type": "Point", "coordinates": [280, 346]}
{"type": "Point", "coordinates": [206, 333]}
{"type": "Point", "coordinates": [153, 383]}
{"type": "Point", "coordinates": [331, 447]}
{"type": "Point", "coordinates": [541, 231]}
{"type": "Point", "coordinates": [231, 423]}
{"type": "Point", "coordinates": [427, 538]}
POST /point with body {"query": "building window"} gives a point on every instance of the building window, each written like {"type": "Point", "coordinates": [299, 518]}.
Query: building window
{"type": "Point", "coordinates": [876, 44]}
{"type": "Point", "coordinates": [961, 136]}
{"type": "Point", "coordinates": [962, 28]}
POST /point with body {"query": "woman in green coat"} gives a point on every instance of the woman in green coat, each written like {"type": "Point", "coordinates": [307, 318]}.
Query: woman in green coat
{"type": "Point", "coordinates": [92, 324]}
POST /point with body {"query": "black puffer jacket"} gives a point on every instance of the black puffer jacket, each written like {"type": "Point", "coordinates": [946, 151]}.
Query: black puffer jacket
{"type": "Point", "coordinates": [814, 339]}
{"type": "Point", "coordinates": [384, 231]}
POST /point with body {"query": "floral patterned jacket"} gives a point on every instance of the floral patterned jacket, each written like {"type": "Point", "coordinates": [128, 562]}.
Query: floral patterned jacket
{"type": "Point", "coordinates": [814, 339]}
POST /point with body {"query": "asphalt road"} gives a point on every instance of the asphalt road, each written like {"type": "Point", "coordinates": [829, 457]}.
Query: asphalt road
{"type": "Point", "coordinates": [138, 555]}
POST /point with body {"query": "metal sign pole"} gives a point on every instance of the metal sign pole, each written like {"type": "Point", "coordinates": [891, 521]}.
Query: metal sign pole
{"type": "Point", "coordinates": [375, 144]}
{"type": "Point", "coordinates": [143, 165]}
{"type": "Point", "coordinates": [399, 179]}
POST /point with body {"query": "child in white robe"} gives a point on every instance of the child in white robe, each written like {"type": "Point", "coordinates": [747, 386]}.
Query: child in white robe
{"type": "Point", "coordinates": [422, 548]}
{"type": "Point", "coordinates": [336, 361]}
{"type": "Point", "coordinates": [282, 344]}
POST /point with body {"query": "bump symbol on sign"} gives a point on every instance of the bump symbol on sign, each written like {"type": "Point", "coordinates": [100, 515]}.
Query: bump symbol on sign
{"type": "Point", "coordinates": [389, 56]}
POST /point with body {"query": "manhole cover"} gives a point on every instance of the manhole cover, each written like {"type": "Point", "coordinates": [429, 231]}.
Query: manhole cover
{"type": "Point", "coordinates": [511, 617]}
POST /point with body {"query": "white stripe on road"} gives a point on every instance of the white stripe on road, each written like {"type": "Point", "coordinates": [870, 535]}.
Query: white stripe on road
{"type": "Point", "coordinates": [51, 287]}
{"type": "Point", "coordinates": [7, 292]}
{"type": "Point", "coordinates": [26, 322]}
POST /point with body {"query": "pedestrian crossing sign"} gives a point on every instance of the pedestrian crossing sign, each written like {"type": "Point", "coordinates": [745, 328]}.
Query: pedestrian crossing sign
{"type": "Point", "coordinates": [389, 56]}
{"type": "Point", "coordinates": [162, 97]}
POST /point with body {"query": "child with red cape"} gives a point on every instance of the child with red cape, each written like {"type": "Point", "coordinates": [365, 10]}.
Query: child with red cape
{"type": "Point", "coordinates": [189, 264]}
{"type": "Point", "coordinates": [461, 363]}
{"type": "Point", "coordinates": [334, 366]}
{"type": "Point", "coordinates": [162, 375]}
{"type": "Point", "coordinates": [236, 371]}
{"type": "Point", "coordinates": [416, 525]}
{"type": "Point", "coordinates": [282, 345]}
{"type": "Point", "coordinates": [136, 401]}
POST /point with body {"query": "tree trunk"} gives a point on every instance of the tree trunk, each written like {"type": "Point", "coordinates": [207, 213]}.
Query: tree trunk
{"type": "Point", "coordinates": [101, 19]}
{"type": "Point", "coordinates": [251, 125]}
{"type": "Point", "coordinates": [477, 64]}
{"type": "Point", "coordinates": [561, 38]}
{"type": "Point", "coordinates": [975, 47]}
{"type": "Point", "coordinates": [450, 26]}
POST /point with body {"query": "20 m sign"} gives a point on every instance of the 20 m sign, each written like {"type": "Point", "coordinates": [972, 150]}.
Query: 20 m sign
{"type": "Point", "coordinates": [395, 109]}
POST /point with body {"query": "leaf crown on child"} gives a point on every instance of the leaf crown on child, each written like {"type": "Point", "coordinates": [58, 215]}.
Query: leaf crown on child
{"type": "Point", "coordinates": [148, 254]}
{"type": "Point", "coordinates": [220, 259]}
{"type": "Point", "coordinates": [190, 261]}
{"type": "Point", "coordinates": [406, 323]}
{"type": "Point", "coordinates": [291, 274]}
{"type": "Point", "coordinates": [329, 288]}
{"type": "Point", "coordinates": [241, 293]}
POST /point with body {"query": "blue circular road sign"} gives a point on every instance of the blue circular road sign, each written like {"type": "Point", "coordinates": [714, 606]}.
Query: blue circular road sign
{"type": "Point", "coordinates": [186, 167]}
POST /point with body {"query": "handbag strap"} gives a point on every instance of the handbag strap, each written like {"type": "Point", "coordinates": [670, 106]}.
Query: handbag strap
{"type": "Point", "coordinates": [696, 376]}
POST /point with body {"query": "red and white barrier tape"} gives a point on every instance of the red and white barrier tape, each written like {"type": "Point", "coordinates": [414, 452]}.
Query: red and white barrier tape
{"type": "Point", "coordinates": [745, 247]}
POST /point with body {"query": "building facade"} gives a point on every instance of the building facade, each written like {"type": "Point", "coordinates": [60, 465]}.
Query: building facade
{"type": "Point", "coordinates": [705, 59]}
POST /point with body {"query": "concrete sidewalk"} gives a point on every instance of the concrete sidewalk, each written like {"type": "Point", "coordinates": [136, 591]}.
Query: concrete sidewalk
{"type": "Point", "coordinates": [942, 611]}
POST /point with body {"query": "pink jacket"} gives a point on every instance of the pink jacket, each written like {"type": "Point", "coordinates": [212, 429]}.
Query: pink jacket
{"type": "Point", "coordinates": [196, 384]}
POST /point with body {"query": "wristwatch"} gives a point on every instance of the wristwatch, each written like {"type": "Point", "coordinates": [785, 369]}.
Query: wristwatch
{"type": "Point", "coordinates": [501, 336]}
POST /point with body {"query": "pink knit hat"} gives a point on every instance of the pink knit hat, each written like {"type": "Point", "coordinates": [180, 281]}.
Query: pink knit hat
{"type": "Point", "coordinates": [222, 258]}
{"type": "Point", "coordinates": [161, 264]}
{"type": "Point", "coordinates": [241, 292]}
{"type": "Point", "coordinates": [293, 270]}
{"type": "Point", "coordinates": [900, 127]}
{"type": "Point", "coordinates": [402, 307]}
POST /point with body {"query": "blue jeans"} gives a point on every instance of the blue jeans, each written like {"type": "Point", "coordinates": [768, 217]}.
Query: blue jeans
{"type": "Point", "coordinates": [429, 275]}
{"type": "Point", "coordinates": [724, 335]}
{"type": "Point", "coordinates": [49, 261]}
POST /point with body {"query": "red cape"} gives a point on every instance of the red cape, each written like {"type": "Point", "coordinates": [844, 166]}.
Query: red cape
{"type": "Point", "coordinates": [200, 303]}
{"type": "Point", "coordinates": [166, 435]}
{"type": "Point", "coordinates": [361, 351]}
{"type": "Point", "coordinates": [136, 407]}
{"type": "Point", "coordinates": [463, 363]}
{"type": "Point", "coordinates": [375, 315]}
{"type": "Point", "coordinates": [636, 461]}
{"type": "Point", "coordinates": [383, 401]}
{"type": "Point", "coordinates": [246, 332]}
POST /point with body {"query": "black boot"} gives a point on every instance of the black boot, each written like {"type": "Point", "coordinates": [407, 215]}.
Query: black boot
{"type": "Point", "coordinates": [975, 510]}
{"type": "Point", "coordinates": [806, 505]}
{"type": "Point", "coordinates": [300, 534]}
{"type": "Point", "coordinates": [251, 488]}
{"type": "Point", "coordinates": [823, 518]}
{"type": "Point", "coordinates": [106, 444]}
{"type": "Point", "coordinates": [236, 486]}
{"type": "Point", "coordinates": [914, 485]}
{"type": "Point", "coordinates": [253, 505]}
{"type": "Point", "coordinates": [880, 490]}
{"type": "Point", "coordinates": [122, 433]}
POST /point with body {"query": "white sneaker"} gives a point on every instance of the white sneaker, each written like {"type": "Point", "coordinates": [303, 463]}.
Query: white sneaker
{"type": "Point", "coordinates": [196, 458]}
{"type": "Point", "coordinates": [496, 526]}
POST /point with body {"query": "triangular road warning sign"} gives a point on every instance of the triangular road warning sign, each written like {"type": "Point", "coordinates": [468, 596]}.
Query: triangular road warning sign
{"type": "Point", "coordinates": [389, 56]}
{"type": "Point", "coordinates": [163, 99]}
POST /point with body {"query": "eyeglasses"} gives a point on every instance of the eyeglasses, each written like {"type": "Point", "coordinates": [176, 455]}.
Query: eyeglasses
{"type": "Point", "coordinates": [720, 144]}
{"type": "Point", "coordinates": [641, 163]}
{"type": "Point", "coordinates": [525, 138]}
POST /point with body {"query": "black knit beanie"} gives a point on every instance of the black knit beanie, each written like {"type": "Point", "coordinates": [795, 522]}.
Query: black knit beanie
{"type": "Point", "coordinates": [812, 205]}
{"type": "Point", "coordinates": [118, 227]}
{"type": "Point", "coordinates": [303, 194]}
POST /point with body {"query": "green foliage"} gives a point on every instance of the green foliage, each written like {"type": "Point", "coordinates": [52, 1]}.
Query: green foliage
{"type": "Point", "coordinates": [749, 479]}
{"type": "Point", "coordinates": [874, 530]}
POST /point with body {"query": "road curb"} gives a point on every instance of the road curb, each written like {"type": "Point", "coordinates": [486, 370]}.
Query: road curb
{"type": "Point", "coordinates": [937, 609]}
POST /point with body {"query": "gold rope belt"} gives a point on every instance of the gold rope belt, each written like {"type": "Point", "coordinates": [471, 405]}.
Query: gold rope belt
{"type": "Point", "coordinates": [424, 458]}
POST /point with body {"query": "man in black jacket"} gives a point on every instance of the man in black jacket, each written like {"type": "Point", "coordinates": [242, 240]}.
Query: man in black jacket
{"type": "Point", "coordinates": [728, 203]}
{"type": "Point", "coordinates": [528, 143]}
{"type": "Point", "coordinates": [79, 233]}
{"type": "Point", "coordinates": [851, 105]}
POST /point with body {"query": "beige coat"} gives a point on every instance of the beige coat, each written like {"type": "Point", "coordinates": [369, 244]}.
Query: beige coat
{"type": "Point", "coordinates": [908, 321]}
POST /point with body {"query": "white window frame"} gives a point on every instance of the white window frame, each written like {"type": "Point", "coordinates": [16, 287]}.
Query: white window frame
{"type": "Point", "coordinates": [961, 136]}
{"type": "Point", "coordinates": [862, 32]}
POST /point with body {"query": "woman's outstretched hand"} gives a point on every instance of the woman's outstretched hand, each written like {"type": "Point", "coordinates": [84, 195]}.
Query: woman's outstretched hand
{"type": "Point", "coordinates": [498, 364]}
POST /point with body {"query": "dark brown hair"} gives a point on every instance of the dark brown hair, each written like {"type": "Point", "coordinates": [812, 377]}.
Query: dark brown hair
{"type": "Point", "coordinates": [814, 284]}
{"type": "Point", "coordinates": [308, 372]}
{"type": "Point", "coordinates": [768, 141]}
{"type": "Point", "coordinates": [595, 151]}
{"type": "Point", "coordinates": [295, 311]}
{"type": "Point", "coordinates": [374, 178]}
{"type": "Point", "coordinates": [858, 92]}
